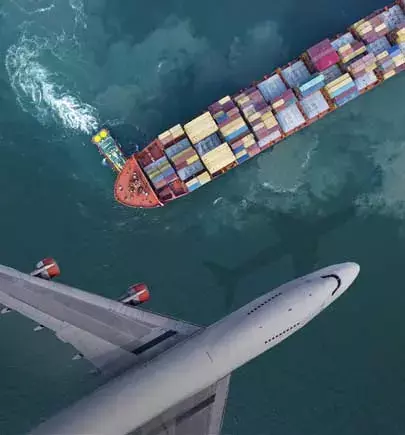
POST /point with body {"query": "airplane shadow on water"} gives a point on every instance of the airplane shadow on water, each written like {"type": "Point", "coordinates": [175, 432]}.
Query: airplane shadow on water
{"type": "Point", "coordinates": [299, 236]}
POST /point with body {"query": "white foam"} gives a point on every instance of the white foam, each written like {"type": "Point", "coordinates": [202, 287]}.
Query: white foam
{"type": "Point", "coordinates": [33, 7]}
{"type": "Point", "coordinates": [37, 88]}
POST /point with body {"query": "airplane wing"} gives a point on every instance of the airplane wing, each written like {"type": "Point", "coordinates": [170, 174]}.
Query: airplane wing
{"type": "Point", "coordinates": [111, 335]}
{"type": "Point", "coordinates": [201, 414]}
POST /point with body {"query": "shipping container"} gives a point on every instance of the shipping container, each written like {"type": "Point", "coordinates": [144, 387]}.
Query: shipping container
{"type": "Point", "coordinates": [208, 144]}
{"type": "Point", "coordinates": [314, 105]}
{"type": "Point", "coordinates": [178, 148]}
{"type": "Point", "coordinates": [189, 171]}
{"type": "Point", "coordinates": [272, 88]}
{"type": "Point", "coordinates": [393, 17]}
{"type": "Point", "coordinates": [332, 73]}
{"type": "Point", "coordinates": [218, 158]}
{"type": "Point", "coordinates": [378, 46]}
{"type": "Point", "coordinates": [296, 74]}
{"type": "Point", "coordinates": [290, 118]}
{"type": "Point", "coordinates": [172, 135]}
{"type": "Point", "coordinates": [366, 80]}
{"type": "Point", "coordinates": [200, 128]}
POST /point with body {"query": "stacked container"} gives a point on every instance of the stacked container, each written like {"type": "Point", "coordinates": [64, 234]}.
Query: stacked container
{"type": "Point", "coordinates": [316, 83]}
{"type": "Point", "coordinates": [370, 29]}
{"type": "Point", "coordinates": [218, 158]}
{"type": "Point", "coordinates": [283, 101]}
{"type": "Point", "coordinates": [198, 181]}
{"type": "Point", "coordinates": [245, 148]}
{"type": "Point", "coordinates": [171, 136]}
{"type": "Point", "coordinates": [393, 17]}
{"type": "Point", "coordinates": [260, 117]}
{"type": "Point", "coordinates": [342, 90]}
{"type": "Point", "coordinates": [348, 48]}
{"type": "Point", "coordinates": [331, 73]}
{"type": "Point", "coordinates": [378, 46]}
{"type": "Point", "coordinates": [160, 172]}
{"type": "Point", "coordinates": [185, 159]}
{"type": "Point", "coordinates": [200, 128]}
{"type": "Point", "coordinates": [290, 119]}
{"type": "Point", "coordinates": [323, 55]}
{"type": "Point", "coordinates": [227, 115]}
{"type": "Point", "coordinates": [314, 105]}
{"type": "Point", "coordinates": [272, 87]}
{"type": "Point", "coordinates": [398, 37]}
{"type": "Point", "coordinates": [362, 70]}
{"type": "Point", "coordinates": [391, 62]}
{"type": "Point", "coordinates": [296, 74]}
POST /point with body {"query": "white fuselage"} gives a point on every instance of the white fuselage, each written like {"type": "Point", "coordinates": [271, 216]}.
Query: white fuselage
{"type": "Point", "coordinates": [140, 394]}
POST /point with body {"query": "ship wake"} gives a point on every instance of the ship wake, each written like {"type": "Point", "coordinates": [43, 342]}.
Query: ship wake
{"type": "Point", "coordinates": [37, 88]}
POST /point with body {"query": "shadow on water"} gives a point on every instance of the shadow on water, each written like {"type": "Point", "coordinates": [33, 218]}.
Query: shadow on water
{"type": "Point", "coordinates": [299, 234]}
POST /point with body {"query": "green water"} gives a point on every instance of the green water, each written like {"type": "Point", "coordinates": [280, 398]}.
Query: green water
{"type": "Point", "coordinates": [331, 193]}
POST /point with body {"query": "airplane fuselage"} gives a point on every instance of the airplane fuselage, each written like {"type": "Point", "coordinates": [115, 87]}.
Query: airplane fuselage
{"type": "Point", "coordinates": [142, 393]}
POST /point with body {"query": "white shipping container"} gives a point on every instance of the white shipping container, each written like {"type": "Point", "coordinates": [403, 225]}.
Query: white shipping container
{"type": "Point", "coordinates": [272, 88]}
{"type": "Point", "coordinates": [365, 80]}
{"type": "Point", "coordinates": [290, 118]}
{"type": "Point", "coordinates": [347, 38]}
{"type": "Point", "coordinates": [378, 46]}
{"type": "Point", "coordinates": [314, 105]}
{"type": "Point", "coordinates": [393, 17]}
{"type": "Point", "coordinates": [296, 74]}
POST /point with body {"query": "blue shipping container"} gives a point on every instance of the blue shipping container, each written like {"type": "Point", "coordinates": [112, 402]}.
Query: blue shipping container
{"type": "Point", "coordinates": [237, 133]}
{"type": "Point", "coordinates": [207, 144]}
{"type": "Point", "coordinates": [343, 89]}
{"type": "Point", "coordinates": [243, 158]}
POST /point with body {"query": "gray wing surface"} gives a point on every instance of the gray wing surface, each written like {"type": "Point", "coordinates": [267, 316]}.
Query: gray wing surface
{"type": "Point", "coordinates": [201, 414]}
{"type": "Point", "coordinates": [109, 334]}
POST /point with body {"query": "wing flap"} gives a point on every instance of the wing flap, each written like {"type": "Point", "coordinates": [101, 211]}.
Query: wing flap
{"type": "Point", "coordinates": [201, 414]}
{"type": "Point", "coordinates": [109, 334]}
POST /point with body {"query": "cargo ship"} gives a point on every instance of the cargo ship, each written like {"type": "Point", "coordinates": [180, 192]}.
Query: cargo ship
{"type": "Point", "coordinates": [236, 128]}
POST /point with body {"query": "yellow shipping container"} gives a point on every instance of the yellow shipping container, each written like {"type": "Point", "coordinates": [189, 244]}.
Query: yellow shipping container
{"type": "Point", "coordinates": [241, 154]}
{"type": "Point", "coordinates": [204, 177]}
{"type": "Point", "coordinates": [232, 126]}
{"type": "Point", "coordinates": [191, 182]}
{"type": "Point", "coordinates": [389, 75]}
{"type": "Point", "coordinates": [249, 140]}
{"type": "Point", "coordinates": [337, 81]}
{"type": "Point", "coordinates": [224, 100]}
{"type": "Point", "coordinates": [253, 117]}
{"type": "Point", "coordinates": [382, 55]}
{"type": "Point", "coordinates": [400, 38]}
{"type": "Point", "coordinates": [201, 127]}
{"type": "Point", "coordinates": [242, 100]}
{"type": "Point", "coordinates": [278, 104]}
{"type": "Point", "coordinates": [192, 159]}
{"type": "Point", "coordinates": [380, 27]}
{"type": "Point", "coordinates": [344, 48]}
{"type": "Point", "coordinates": [269, 123]}
{"type": "Point", "coordinates": [399, 62]}
{"type": "Point", "coordinates": [164, 135]}
{"type": "Point", "coordinates": [268, 115]}
{"type": "Point", "coordinates": [217, 159]}
{"type": "Point", "coordinates": [339, 85]}
{"type": "Point", "coordinates": [357, 23]}
{"type": "Point", "coordinates": [177, 130]}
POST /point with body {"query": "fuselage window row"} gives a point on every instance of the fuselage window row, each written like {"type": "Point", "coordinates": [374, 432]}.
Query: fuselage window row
{"type": "Point", "coordinates": [282, 333]}
{"type": "Point", "coordinates": [264, 303]}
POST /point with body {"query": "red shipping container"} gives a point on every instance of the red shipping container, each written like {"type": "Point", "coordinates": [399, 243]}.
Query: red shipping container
{"type": "Point", "coordinates": [319, 50]}
{"type": "Point", "coordinates": [327, 61]}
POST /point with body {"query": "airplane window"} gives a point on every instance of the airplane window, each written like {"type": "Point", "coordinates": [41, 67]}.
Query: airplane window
{"type": "Point", "coordinates": [338, 281]}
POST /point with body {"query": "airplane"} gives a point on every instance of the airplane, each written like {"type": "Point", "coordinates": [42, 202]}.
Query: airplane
{"type": "Point", "coordinates": [163, 376]}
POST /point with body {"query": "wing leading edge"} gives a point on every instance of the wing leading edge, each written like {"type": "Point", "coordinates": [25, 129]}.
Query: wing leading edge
{"type": "Point", "coordinates": [110, 335]}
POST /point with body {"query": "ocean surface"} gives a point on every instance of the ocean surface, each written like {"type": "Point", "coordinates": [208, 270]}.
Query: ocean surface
{"type": "Point", "coordinates": [332, 193]}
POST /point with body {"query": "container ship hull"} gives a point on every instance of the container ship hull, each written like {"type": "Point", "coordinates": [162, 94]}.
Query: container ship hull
{"type": "Point", "coordinates": [236, 128]}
